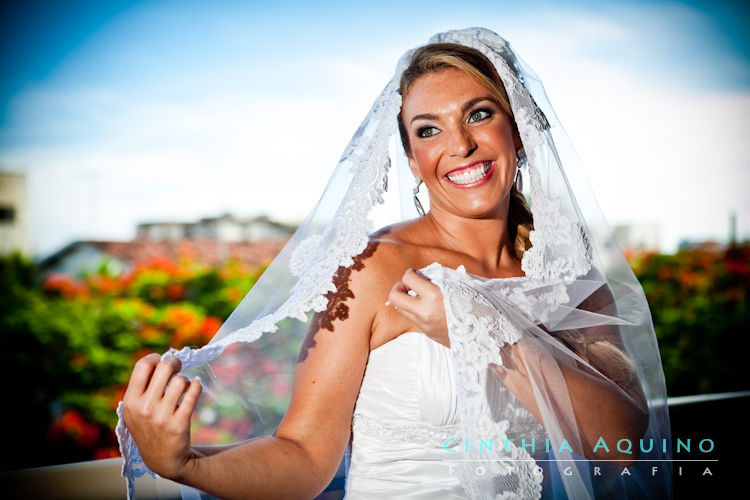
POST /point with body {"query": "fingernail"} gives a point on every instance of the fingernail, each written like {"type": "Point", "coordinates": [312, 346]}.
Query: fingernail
{"type": "Point", "coordinates": [388, 303]}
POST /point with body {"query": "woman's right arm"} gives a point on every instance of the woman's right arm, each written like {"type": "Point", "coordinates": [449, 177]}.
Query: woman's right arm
{"type": "Point", "coordinates": [302, 456]}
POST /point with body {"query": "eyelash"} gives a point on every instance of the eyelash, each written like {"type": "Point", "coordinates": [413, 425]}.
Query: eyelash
{"type": "Point", "coordinates": [488, 112]}
{"type": "Point", "coordinates": [421, 131]}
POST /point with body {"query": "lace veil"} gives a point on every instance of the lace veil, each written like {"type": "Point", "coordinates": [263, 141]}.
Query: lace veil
{"type": "Point", "coordinates": [578, 314]}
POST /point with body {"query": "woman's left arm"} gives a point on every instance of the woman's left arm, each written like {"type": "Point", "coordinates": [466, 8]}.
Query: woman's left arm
{"type": "Point", "coordinates": [602, 407]}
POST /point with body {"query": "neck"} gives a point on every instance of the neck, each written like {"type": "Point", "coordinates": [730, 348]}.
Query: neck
{"type": "Point", "coordinates": [485, 240]}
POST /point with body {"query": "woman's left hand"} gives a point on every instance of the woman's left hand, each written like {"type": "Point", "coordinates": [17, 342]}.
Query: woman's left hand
{"type": "Point", "coordinates": [423, 306]}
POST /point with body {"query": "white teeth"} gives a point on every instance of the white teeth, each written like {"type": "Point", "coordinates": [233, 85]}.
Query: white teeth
{"type": "Point", "coordinates": [471, 175]}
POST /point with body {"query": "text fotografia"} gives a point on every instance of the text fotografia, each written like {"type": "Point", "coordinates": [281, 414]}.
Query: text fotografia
{"type": "Point", "coordinates": [623, 446]}
{"type": "Point", "coordinates": [481, 470]}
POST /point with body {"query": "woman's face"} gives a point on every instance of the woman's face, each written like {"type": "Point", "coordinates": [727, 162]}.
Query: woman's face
{"type": "Point", "coordinates": [463, 145]}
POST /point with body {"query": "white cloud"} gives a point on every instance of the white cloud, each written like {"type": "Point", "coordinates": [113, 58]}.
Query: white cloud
{"type": "Point", "coordinates": [657, 149]}
{"type": "Point", "coordinates": [104, 155]}
{"type": "Point", "coordinates": [657, 154]}
{"type": "Point", "coordinates": [149, 160]}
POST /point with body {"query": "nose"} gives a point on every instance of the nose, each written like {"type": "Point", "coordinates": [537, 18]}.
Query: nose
{"type": "Point", "coordinates": [461, 143]}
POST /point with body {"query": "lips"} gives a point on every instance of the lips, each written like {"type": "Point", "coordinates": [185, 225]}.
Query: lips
{"type": "Point", "coordinates": [472, 174]}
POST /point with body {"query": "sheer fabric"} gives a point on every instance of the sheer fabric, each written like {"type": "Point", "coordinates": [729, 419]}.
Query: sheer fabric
{"type": "Point", "coordinates": [577, 318]}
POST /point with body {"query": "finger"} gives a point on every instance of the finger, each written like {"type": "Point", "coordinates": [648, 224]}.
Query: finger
{"type": "Point", "coordinates": [186, 407]}
{"type": "Point", "coordinates": [404, 304]}
{"type": "Point", "coordinates": [141, 375]}
{"type": "Point", "coordinates": [163, 372]}
{"type": "Point", "coordinates": [419, 284]}
{"type": "Point", "coordinates": [401, 287]}
{"type": "Point", "coordinates": [175, 362]}
{"type": "Point", "coordinates": [500, 371]}
{"type": "Point", "coordinates": [399, 297]}
{"type": "Point", "coordinates": [409, 316]}
{"type": "Point", "coordinates": [175, 389]}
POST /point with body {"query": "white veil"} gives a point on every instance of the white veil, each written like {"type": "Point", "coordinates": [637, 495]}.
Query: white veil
{"type": "Point", "coordinates": [578, 313]}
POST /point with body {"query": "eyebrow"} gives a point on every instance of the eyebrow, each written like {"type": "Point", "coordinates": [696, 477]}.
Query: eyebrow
{"type": "Point", "coordinates": [464, 109]}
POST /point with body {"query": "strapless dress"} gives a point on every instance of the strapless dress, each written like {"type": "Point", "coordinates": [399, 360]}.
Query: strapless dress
{"type": "Point", "coordinates": [405, 422]}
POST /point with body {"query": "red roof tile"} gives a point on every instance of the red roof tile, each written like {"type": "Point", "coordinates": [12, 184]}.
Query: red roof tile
{"type": "Point", "coordinates": [209, 252]}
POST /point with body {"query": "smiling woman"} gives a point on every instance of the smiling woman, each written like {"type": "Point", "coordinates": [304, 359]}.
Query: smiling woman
{"type": "Point", "coordinates": [523, 332]}
{"type": "Point", "coordinates": [465, 148]}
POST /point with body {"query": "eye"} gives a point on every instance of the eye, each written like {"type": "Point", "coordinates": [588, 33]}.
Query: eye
{"type": "Point", "coordinates": [427, 131]}
{"type": "Point", "coordinates": [479, 115]}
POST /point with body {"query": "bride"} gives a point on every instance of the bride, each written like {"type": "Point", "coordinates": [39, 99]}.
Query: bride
{"type": "Point", "coordinates": [488, 348]}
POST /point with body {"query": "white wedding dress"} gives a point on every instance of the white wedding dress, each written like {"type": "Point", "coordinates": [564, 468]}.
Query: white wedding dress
{"type": "Point", "coordinates": [405, 413]}
{"type": "Point", "coordinates": [417, 394]}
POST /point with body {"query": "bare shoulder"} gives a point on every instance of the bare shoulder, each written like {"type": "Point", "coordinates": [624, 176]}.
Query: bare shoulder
{"type": "Point", "coordinates": [389, 252]}
{"type": "Point", "coordinates": [333, 358]}
{"type": "Point", "coordinates": [360, 291]}
{"type": "Point", "coordinates": [356, 307]}
{"type": "Point", "coordinates": [400, 244]}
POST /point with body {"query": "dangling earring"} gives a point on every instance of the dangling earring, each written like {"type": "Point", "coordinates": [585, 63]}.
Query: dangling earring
{"type": "Point", "coordinates": [417, 203]}
{"type": "Point", "coordinates": [520, 163]}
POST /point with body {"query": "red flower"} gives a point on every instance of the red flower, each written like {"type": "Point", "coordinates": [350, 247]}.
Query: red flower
{"type": "Point", "coordinates": [103, 284]}
{"type": "Point", "coordinates": [175, 292]}
{"type": "Point", "coordinates": [149, 333]}
{"type": "Point", "coordinates": [117, 395]}
{"type": "Point", "coordinates": [687, 279]}
{"type": "Point", "coordinates": [234, 294]}
{"type": "Point", "coordinates": [65, 285]}
{"type": "Point", "coordinates": [205, 435]}
{"type": "Point", "coordinates": [664, 273]}
{"type": "Point", "coordinates": [209, 327]}
{"type": "Point", "coordinates": [104, 453]}
{"type": "Point", "coordinates": [737, 267]}
{"type": "Point", "coordinates": [280, 386]}
{"type": "Point", "coordinates": [73, 426]}
{"type": "Point", "coordinates": [228, 371]}
{"type": "Point", "coordinates": [78, 360]}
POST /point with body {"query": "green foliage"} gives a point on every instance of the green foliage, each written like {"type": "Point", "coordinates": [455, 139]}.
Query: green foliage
{"type": "Point", "coordinates": [698, 300]}
{"type": "Point", "coordinates": [70, 343]}
{"type": "Point", "coordinates": [73, 342]}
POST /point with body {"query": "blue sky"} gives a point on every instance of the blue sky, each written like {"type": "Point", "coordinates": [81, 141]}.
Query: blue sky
{"type": "Point", "coordinates": [121, 112]}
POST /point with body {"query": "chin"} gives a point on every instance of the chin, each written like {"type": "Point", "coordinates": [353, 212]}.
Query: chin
{"type": "Point", "coordinates": [484, 210]}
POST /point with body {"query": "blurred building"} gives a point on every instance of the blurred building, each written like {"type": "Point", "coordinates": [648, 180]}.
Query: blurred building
{"type": "Point", "coordinates": [710, 246]}
{"type": "Point", "coordinates": [638, 237]}
{"type": "Point", "coordinates": [82, 257]}
{"type": "Point", "coordinates": [14, 214]}
{"type": "Point", "coordinates": [224, 228]}
{"type": "Point", "coordinates": [210, 241]}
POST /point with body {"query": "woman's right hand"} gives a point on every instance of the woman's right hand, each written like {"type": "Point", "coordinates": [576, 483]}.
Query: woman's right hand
{"type": "Point", "coordinates": [157, 420]}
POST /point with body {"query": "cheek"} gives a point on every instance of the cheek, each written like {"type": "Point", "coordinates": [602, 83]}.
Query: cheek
{"type": "Point", "coordinates": [426, 161]}
{"type": "Point", "coordinates": [502, 142]}
{"type": "Point", "coordinates": [510, 167]}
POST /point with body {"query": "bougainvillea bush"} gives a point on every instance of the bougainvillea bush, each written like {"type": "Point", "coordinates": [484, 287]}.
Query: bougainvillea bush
{"type": "Point", "coordinates": [698, 300]}
{"type": "Point", "coordinates": [71, 342]}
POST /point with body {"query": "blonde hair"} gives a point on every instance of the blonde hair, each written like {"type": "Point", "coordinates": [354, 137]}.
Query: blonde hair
{"type": "Point", "coordinates": [439, 56]}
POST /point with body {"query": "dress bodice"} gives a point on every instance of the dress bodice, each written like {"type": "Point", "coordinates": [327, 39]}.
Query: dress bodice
{"type": "Point", "coordinates": [410, 378]}
{"type": "Point", "coordinates": [405, 417]}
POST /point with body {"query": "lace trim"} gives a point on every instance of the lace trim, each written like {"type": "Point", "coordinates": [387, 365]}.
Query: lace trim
{"type": "Point", "coordinates": [560, 248]}
{"type": "Point", "coordinates": [132, 463]}
{"type": "Point", "coordinates": [559, 251]}
{"type": "Point", "coordinates": [315, 259]}
{"type": "Point", "coordinates": [478, 331]}
{"type": "Point", "coordinates": [406, 431]}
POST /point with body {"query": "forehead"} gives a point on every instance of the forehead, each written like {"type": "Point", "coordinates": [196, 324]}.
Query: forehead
{"type": "Point", "coordinates": [441, 91]}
